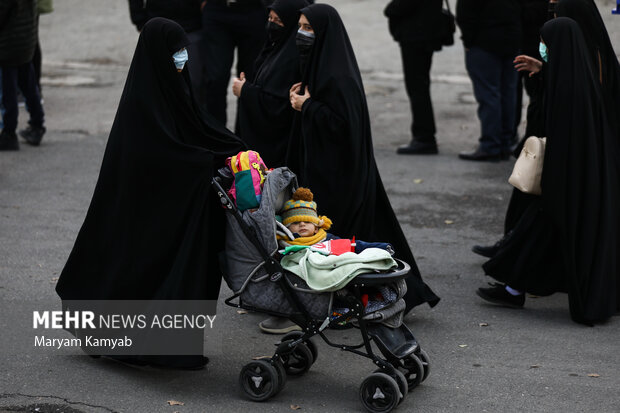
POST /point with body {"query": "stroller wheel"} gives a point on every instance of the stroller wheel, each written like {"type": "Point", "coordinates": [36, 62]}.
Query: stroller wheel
{"type": "Point", "coordinates": [281, 375]}
{"type": "Point", "coordinates": [298, 361]}
{"type": "Point", "coordinates": [426, 362]}
{"type": "Point", "coordinates": [401, 380]}
{"type": "Point", "coordinates": [294, 335]}
{"type": "Point", "coordinates": [259, 380]}
{"type": "Point", "coordinates": [379, 393]}
{"type": "Point", "coordinates": [413, 370]}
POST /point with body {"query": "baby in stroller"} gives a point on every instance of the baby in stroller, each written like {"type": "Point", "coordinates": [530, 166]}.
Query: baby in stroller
{"type": "Point", "coordinates": [254, 272]}
{"type": "Point", "coordinates": [300, 225]}
{"type": "Point", "coordinates": [301, 231]}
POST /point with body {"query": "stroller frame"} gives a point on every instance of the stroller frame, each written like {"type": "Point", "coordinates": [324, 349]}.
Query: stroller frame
{"type": "Point", "coordinates": [405, 364]}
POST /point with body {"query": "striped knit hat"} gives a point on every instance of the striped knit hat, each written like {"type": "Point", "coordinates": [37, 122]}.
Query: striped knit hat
{"type": "Point", "coordinates": [302, 208]}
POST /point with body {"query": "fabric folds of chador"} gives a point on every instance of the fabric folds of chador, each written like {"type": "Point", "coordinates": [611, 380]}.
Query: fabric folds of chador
{"type": "Point", "coordinates": [602, 55]}
{"type": "Point", "coordinates": [334, 125]}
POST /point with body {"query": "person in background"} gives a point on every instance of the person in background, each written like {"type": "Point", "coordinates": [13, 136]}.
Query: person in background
{"type": "Point", "coordinates": [265, 115]}
{"type": "Point", "coordinates": [416, 26]}
{"type": "Point", "coordinates": [229, 25]}
{"type": "Point", "coordinates": [491, 33]}
{"type": "Point", "coordinates": [43, 7]}
{"type": "Point", "coordinates": [184, 12]}
{"type": "Point", "coordinates": [534, 13]}
{"type": "Point", "coordinates": [18, 39]}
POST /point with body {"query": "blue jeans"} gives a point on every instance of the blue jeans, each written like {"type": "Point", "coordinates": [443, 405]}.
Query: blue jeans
{"type": "Point", "coordinates": [495, 86]}
{"type": "Point", "coordinates": [225, 29]}
{"type": "Point", "coordinates": [22, 77]}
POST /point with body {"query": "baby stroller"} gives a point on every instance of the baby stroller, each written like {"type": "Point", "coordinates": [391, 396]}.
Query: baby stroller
{"type": "Point", "coordinates": [253, 272]}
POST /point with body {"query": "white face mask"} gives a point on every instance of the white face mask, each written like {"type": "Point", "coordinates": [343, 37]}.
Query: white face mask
{"type": "Point", "coordinates": [180, 58]}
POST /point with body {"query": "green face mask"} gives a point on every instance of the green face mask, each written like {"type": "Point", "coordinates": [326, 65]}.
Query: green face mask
{"type": "Point", "coordinates": [542, 49]}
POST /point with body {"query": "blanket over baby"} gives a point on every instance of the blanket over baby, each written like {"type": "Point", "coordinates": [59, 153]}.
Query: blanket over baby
{"type": "Point", "coordinates": [332, 272]}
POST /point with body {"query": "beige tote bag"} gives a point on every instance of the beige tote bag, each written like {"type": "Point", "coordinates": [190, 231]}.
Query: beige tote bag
{"type": "Point", "coordinates": [528, 168]}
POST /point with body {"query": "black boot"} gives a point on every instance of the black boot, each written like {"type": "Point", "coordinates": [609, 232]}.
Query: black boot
{"type": "Point", "coordinates": [33, 135]}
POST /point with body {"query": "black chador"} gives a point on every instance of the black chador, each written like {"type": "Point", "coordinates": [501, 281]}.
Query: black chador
{"type": "Point", "coordinates": [154, 227]}
{"type": "Point", "coordinates": [331, 147]}
{"type": "Point", "coordinates": [567, 239]}
{"type": "Point", "coordinates": [265, 115]}
{"type": "Point", "coordinates": [602, 55]}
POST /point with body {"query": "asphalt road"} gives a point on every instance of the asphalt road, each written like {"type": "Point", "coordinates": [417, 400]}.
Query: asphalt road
{"type": "Point", "coordinates": [484, 358]}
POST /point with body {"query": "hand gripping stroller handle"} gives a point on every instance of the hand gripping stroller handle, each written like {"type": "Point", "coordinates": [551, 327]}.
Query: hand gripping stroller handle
{"type": "Point", "coordinates": [271, 265]}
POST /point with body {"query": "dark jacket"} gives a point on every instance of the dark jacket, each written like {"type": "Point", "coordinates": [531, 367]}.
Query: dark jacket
{"type": "Point", "coordinates": [492, 25]}
{"type": "Point", "coordinates": [416, 22]}
{"type": "Point", "coordinates": [18, 31]}
{"type": "Point", "coordinates": [184, 12]}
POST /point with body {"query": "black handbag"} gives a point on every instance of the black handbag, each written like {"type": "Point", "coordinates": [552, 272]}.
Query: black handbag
{"type": "Point", "coordinates": [448, 25]}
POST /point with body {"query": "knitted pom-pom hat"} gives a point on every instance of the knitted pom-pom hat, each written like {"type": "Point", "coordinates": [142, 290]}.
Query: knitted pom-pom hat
{"type": "Point", "coordinates": [302, 208]}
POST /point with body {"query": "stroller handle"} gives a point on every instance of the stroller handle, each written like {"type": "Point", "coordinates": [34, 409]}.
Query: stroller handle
{"type": "Point", "coordinates": [273, 267]}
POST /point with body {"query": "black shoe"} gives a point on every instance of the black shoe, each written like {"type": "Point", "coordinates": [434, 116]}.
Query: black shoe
{"type": "Point", "coordinates": [8, 141]}
{"type": "Point", "coordinates": [418, 148]}
{"type": "Point", "coordinates": [480, 155]}
{"type": "Point", "coordinates": [33, 135]}
{"type": "Point", "coordinates": [490, 250]}
{"type": "Point", "coordinates": [497, 294]}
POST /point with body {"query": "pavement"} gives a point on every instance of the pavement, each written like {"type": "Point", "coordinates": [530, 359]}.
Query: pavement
{"type": "Point", "coordinates": [484, 358]}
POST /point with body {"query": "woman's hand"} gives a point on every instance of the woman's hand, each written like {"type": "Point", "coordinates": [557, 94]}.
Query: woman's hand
{"type": "Point", "coordinates": [523, 62]}
{"type": "Point", "coordinates": [238, 84]}
{"type": "Point", "coordinates": [297, 100]}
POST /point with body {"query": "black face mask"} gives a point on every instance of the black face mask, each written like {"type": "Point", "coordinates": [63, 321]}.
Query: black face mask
{"type": "Point", "coordinates": [304, 41]}
{"type": "Point", "coordinates": [274, 31]}
{"type": "Point", "coordinates": [552, 10]}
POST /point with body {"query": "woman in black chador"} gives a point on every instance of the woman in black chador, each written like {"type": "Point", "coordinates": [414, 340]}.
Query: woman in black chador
{"type": "Point", "coordinates": [601, 52]}
{"type": "Point", "coordinates": [154, 227]}
{"type": "Point", "coordinates": [331, 145]}
{"type": "Point", "coordinates": [264, 111]}
{"type": "Point", "coordinates": [606, 70]}
{"type": "Point", "coordinates": [567, 239]}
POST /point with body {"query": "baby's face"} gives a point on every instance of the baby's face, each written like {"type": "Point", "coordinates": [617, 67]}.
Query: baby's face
{"type": "Point", "coordinates": [305, 229]}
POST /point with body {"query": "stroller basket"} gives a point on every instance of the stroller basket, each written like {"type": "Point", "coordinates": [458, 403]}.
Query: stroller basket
{"type": "Point", "coordinates": [252, 270]}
